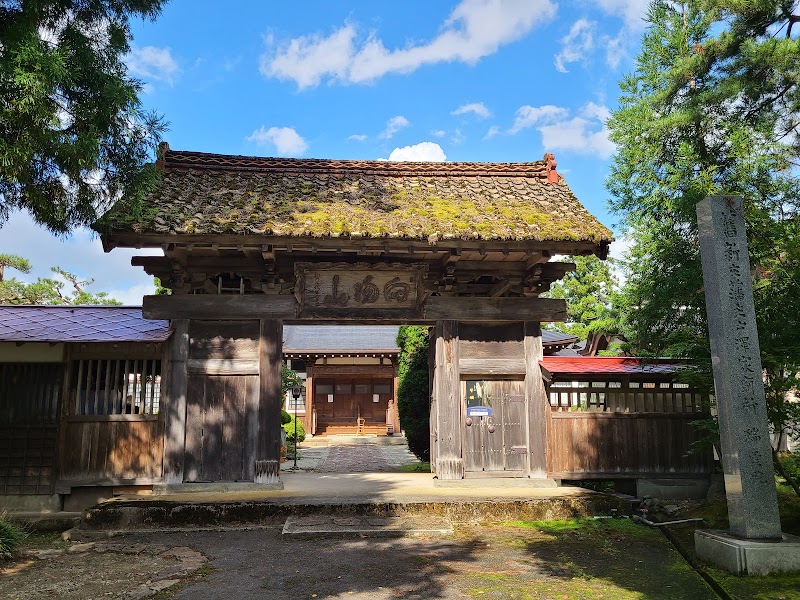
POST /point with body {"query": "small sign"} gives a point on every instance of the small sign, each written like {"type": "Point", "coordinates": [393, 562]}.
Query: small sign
{"type": "Point", "coordinates": [376, 397]}
{"type": "Point", "coordinates": [479, 411]}
{"type": "Point", "coordinates": [330, 397]}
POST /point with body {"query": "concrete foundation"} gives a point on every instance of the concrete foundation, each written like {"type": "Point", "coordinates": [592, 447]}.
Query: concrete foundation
{"type": "Point", "coordinates": [38, 503]}
{"type": "Point", "coordinates": [495, 482]}
{"type": "Point", "coordinates": [214, 488]}
{"type": "Point", "coordinates": [673, 489]}
{"type": "Point", "coordinates": [748, 557]}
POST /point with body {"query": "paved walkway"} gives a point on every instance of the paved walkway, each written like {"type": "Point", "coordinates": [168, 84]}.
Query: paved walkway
{"type": "Point", "coordinates": [352, 455]}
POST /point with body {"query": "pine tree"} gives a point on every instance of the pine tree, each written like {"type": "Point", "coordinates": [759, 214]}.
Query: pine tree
{"type": "Point", "coordinates": [73, 135]}
{"type": "Point", "coordinates": [711, 108]}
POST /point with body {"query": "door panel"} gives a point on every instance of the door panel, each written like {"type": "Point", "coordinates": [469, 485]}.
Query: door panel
{"type": "Point", "coordinates": [217, 434]}
{"type": "Point", "coordinates": [495, 443]}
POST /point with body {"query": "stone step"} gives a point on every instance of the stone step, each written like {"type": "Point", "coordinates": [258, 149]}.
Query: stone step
{"type": "Point", "coordinates": [158, 512]}
{"type": "Point", "coordinates": [368, 526]}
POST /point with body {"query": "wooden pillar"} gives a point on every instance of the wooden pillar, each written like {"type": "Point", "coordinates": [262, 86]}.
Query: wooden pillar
{"type": "Point", "coordinates": [434, 410]}
{"type": "Point", "coordinates": [174, 409]}
{"type": "Point", "coordinates": [268, 457]}
{"type": "Point", "coordinates": [309, 398]}
{"type": "Point", "coordinates": [396, 387]}
{"type": "Point", "coordinates": [536, 401]}
{"type": "Point", "coordinates": [447, 394]}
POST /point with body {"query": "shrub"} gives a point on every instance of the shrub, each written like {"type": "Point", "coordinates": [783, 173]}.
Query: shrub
{"type": "Point", "coordinates": [10, 537]}
{"type": "Point", "coordinates": [791, 463]}
{"type": "Point", "coordinates": [285, 417]}
{"type": "Point", "coordinates": [413, 397]}
{"type": "Point", "coordinates": [289, 428]}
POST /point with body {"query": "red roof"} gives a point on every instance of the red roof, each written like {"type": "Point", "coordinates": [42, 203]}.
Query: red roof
{"type": "Point", "coordinates": [608, 365]}
{"type": "Point", "coordinates": [79, 324]}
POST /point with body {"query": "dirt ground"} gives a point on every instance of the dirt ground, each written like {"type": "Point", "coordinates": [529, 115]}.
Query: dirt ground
{"type": "Point", "coordinates": [561, 560]}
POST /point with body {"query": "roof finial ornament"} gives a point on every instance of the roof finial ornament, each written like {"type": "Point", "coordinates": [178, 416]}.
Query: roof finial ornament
{"type": "Point", "coordinates": [163, 148]}
{"type": "Point", "coordinates": [552, 174]}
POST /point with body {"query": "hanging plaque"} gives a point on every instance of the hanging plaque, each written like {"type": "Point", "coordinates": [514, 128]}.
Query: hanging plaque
{"type": "Point", "coordinates": [351, 290]}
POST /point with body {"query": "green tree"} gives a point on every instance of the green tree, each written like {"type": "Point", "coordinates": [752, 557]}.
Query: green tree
{"type": "Point", "coordinates": [711, 108]}
{"type": "Point", "coordinates": [588, 291]}
{"type": "Point", "coordinates": [413, 396]}
{"type": "Point", "coordinates": [68, 289]}
{"type": "Point", "coordinates": [73, 135]}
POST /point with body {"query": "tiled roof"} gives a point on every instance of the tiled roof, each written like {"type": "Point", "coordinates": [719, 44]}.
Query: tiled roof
{"type": "Point", "coordinates": [607, 365]}
{"type": "Point", "coordinates": [556, 338]}
{"type": "Point", "coordinates": [340, 338]}
{"type": "Point", "coordinates": [218, 194]}
{"type": "Point", "coordinates": [79, 324]}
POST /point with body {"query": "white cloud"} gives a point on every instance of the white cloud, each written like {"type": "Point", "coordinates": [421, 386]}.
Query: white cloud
{"type": "Point", "coordinates": [494, 130]}
{"type": "Point", "coordinates": [151, 62]}
{"type": "Point", "coordinates": [475, 29]}
{"type": "Point", "coordinates": [394, 125]}
{"type": "Point", "coordinates": [357, 137]}
{"type": "Point", "coordinates": [287, 141]}
{"type": "Point", "coordinates": [528, 116]}
{"type": "Point", "coordinates": [585, 132]}
{"type": "Point", "coordinates": [458, 137]}
{"type": "Point", "coordinates": [440, 133]}
{"type": "Point", "coordinates": [615, 48]}
{"type": "Point", "coordinates": [476, 108]}
{"type": "Point", "coordinates": [80, 253]}
{"type": "Point", "coordinates": [422, 152]}
{"type": "Point", "coordinates": [576, 45]}
{"type": "Point", "coordinates": [632, 12]}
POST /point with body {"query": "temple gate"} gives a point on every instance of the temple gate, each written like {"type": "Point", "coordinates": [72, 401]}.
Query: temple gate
{"type": "Point", "coordinates": [253, 243]}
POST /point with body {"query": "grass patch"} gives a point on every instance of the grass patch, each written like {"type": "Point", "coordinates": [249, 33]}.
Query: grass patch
{"type": "Point", "coordinates": [11, 536]}
{"type": "Point", "coordinates": [419, 467]}
{"type": "Point", "coordinates": [584, 527]}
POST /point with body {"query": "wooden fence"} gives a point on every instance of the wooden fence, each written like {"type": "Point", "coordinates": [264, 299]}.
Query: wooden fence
{"type": "Point", "coordinates": [598, 445]}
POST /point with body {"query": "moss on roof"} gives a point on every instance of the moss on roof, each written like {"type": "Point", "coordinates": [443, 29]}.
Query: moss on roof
{"type": "Point", "coordinates": [302, 198]}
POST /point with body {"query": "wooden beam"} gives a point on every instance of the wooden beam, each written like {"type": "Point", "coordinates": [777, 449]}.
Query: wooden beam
{"type": "Point", "coordinates": [283, 307]}
{"type": "Point", "coordinates": [494, 309]}
{"type": "Point", "coordinates": [173, 407]}
{"type": "Point", "coordinates": [268, 426]}
{"type": "Point", "coordinates": [221, 306]}
{"type": "Point", "coordinates": [491, 366]}
{"type": "Point", "coordinates": [222, 366]}
{"type": "Point", "coordinates": [536, 400]}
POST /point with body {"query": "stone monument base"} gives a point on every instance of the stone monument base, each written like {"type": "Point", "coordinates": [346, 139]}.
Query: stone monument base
{"type": "Point", "coordinates": [748, 557]}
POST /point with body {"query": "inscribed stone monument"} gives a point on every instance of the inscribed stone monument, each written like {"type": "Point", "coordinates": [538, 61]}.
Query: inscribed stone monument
{"type": "Point", "coordinates": [736, 362]}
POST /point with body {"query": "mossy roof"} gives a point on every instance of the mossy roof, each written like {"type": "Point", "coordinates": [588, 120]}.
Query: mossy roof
{"type": "Point", "coordinates": [202, 193]}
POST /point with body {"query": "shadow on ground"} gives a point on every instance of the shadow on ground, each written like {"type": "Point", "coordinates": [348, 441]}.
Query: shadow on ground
{"type": "Point", "coordinates": [594, 561]}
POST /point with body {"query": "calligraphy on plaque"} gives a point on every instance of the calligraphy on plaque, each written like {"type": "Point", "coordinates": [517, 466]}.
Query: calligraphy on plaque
{"type": "Point", "coordinates": [336, 289]}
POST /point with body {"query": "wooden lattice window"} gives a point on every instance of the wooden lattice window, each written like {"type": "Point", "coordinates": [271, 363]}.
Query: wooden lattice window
{"type": "Point", "coordinates": [106, 387]}
{"type": "Point", "coordinates": [626, 397]}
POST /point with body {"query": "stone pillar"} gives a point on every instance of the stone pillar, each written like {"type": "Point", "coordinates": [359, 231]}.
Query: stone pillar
{"type": "Point", "coordinates": [447, 396]}
{"type": "Point", "coordinates": [536, 400]}
{"type": "Point", "coordinates": [174, 408]}
{"type": "Point", "coordinates": [736, 362]}
{"type": "Point", "coordinates": [268, 457]}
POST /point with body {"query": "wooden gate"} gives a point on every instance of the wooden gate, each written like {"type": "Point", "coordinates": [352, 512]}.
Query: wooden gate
{"type": "Point", "coordinates": [496, 443]}
{"type": "Point", "coordinates": [222, 401]}
{"type": "Point", "coordinates": [29, 406]}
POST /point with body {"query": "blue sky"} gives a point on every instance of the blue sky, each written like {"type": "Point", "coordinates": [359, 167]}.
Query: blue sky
{"type": "Point", "coordinates": [475, 80]}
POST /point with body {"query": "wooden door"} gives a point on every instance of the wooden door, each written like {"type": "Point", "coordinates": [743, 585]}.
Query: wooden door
{"type": "Point", "coordinates": [218, 438]}
{"type": "Point", "coordinates": [495, 443]}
